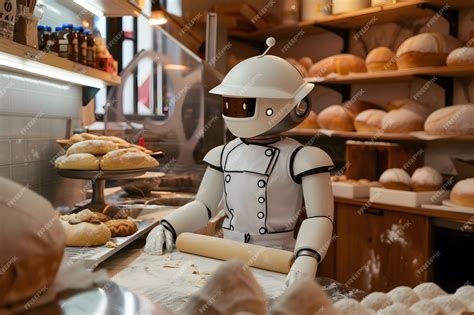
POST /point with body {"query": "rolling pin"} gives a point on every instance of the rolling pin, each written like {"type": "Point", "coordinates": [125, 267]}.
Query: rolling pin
{"type": "Point", "coordinates": [257, 256]}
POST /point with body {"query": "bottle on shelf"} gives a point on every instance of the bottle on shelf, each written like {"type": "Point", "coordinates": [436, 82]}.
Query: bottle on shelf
{"type": "Point", "coordinates": [90, 40]}
{"type": "Point", "coordinates": [82, 44]}
{"type": "Point", "coordinates": [41, 34]}
{"type": "Point", "coordinates": [54, 49]}
{"type": "Point", "coordinates": [68, 43]}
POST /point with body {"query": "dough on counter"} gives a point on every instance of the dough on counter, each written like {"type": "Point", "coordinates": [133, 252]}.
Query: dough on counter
{"type": "Point", "coordinates": [404, 295]}
{"type": "Point", "coordinates": [396, 309]}
{"type": "Point", "coordinates": [96, 147]}
{"type": "Point", "coordinates": [353, 307]}
{"type": "Point", "coordinates": [127, 159]}
{"type": "Point", "coordinates": [426, 178]}
{"type": "Point", "coordinates": [428, 290]}
{"type": "Point", "coordinates": [426, 307]}
{"type": "Point", "coordinates": [78, 161]}
{"type": "Point", "coordinates": [395, 178]}
{"type": "Point", "coordinates": [376, 301]}
{"type": "Point", "coordinates": [466, 295]}
{"type": "Point", "coordinates": [450, 304]}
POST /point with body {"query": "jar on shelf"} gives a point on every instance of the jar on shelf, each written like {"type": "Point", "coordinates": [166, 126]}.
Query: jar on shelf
{"type": "Point", "coordinates": [315, 9]}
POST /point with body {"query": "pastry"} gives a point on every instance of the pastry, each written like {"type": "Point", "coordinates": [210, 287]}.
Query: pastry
{"type": "Point", "coordinates": [335, 117]}
{"type": "Point", "coordinates": [84, 229]}
{"type": "Point", "coordinates": [306, 62]}
{"type": "Point", "coordinates": [463, 193]}
{"type": "Point", "coordinates": [82, 137]}
{"type": "Point", "coordinates": [96, 147]}
{"type": "Point", "coordinates": [340, 64]}
{"type": "Point", "coordinates": [426, 50]}
{"type": "Point", "coordinates": [410, 117]}
{"type": "Point", "coordinates": [78, 161]}
{"type": "Point", "coordinates": [381, 59]}
{"type": "Point", "coordinates": [102, 217]}
{"type": "Point", "coordinates": [369, 120]}
{"type": "Point", "coordinates": [122, 227]}
{"type": "Point", "coordinates": [395, 178]}
{"type": "Point", "coordinates": [463, 56]}
{"type": "Point", "coordinates": [311, 122]}
{"type": "Point", "coordinates": [451, 120]}
{"type": "Point", "coordinates": [126, 159]}
{"type": "Point", "coordinates": [31, 246]}
{"type": "Point", "coordinates": [426, 179]}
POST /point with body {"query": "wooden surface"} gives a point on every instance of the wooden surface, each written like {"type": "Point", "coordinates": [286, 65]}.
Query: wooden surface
{"type": "Point", "coordinates": [369, 259]}
{"type": "Point", "coordinates": [116, 8]}
{"type": "Point", "coordinates": [29, 53]}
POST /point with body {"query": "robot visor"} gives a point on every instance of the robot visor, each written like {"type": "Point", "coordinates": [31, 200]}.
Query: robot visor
{"type": "Point", "coordinates": [238, 107]}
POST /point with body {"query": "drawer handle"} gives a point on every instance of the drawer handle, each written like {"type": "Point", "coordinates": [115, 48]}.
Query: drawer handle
{"type": "Point", "coordinates": [374, 211]}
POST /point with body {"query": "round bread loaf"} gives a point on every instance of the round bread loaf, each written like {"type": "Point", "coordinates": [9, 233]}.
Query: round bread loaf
{"type": "Point", "coordinates": [369, 120]}
{"type": "Point", "coordinates": [463, 56]}
{"type": "Point", "coordinates": [410, 117]}
{"type": "Point", "coordinates": [311, 122]}
{"type": "Point", "coordinates": [381, 59]}
{"type": "Point", "coordinates": [463, 193]}
{"type": "Point", "coordinates": [340, 64]}
{"type": "Point", "coordinates": [32, 243]}
{"type": "Point", "coordinates": [78, 161]}
{"type": "Point", "coordinates": [96, 147]}
{"type": "Point", "coordinates": [335, 117]}
{"type": "Point", "coordinates": [354, 108]}
{"type": "Point", "coordinates": [84, 229]}
{"type": "Point", "coordinates": [302, 70]}
{"type": "Point", "coordinates": [426, 50]}
{"type": "Point", "coordinates": [127, 159]}
{"type": "Point", "coordinates": [121, 227]}
{"type": "Point", "coordinates": [426, 179]}
{"type": "Point", "coordinates": [395, 178]}
{"type": "Point", "coordinates": [306, 62]}
{"type": "Point", "coordinates": [82, 137]}
{"type": "Point", "coordinates": [451, 120]}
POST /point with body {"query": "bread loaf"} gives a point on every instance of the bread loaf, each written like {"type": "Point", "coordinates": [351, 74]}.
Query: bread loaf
{"type": "Point", "coordinates": [84, 229]}
{"type": "Point", "coordinates": [311, 122]}
{"type": "Point", "coordinates": [370, 120]}
{"type": "Point", "coordinates": [463, 193]}
{"type": "Point", "coordinates": [306, 62]}
{"type": "Point", "coordinates": [426, 179]}
{"type": "Point", "coordinates": [96, 147]}
{"type": "Point", "coordinates": [82, 137]}
{"type": "Point", "coordinates": [355, 107]}
{"type": "Point", "coordinates": [335, 117]}
{"type": "Point", "coordinates": [425, 50]}
{"type": "Point", "coordinates": [340, 64]}
{"type": "Point", "coordinates": [121, 227]}
{"type": "Point", "coordinates": [31, 244]}
{"type": "Point", "coordinates": [451, 120]}
{"type": "Point", "coordinates": [381, 59]}
{"type": "Point", "coordinates": [410, 117]}
{"type": "Point", "coordinates": [463, 56]}
{"type": "Point", "coordinates": [124, 159]}
{"type": "Point", "coordinates": [395, 178]}
{"type": "Point", "coordinates": [78, 161]}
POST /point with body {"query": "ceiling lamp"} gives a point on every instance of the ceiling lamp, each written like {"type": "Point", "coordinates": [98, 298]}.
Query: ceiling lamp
{"type": "Point", "coordinates": [158, 16]}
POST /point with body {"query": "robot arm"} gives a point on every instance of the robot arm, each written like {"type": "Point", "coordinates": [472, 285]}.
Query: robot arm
{"type": "Point", "coordinates": [312, 167]}
{"type": "Point", "coordinates": [194, 215]}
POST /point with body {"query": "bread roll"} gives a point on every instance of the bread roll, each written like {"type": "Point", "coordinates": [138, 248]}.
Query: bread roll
{"type": "Point", "coordinates": [395, 178]}
{"type": "Point", "coordinates": [354, 108]}
{"type": "Point", "coordinates": [381, 59]}
{"type": "Point", "coordinates": [451, 120]}
{"type": "Point", "coordinates": [370, 120]}
{"type": "Point", "coordinates": [306, 62]}
{"type": "Point", "coordinates": [463, 193]}
{"type": "Point", "coordinates": [335, 117]}
{"type": "Point", "coordinates": [410, 117]}
{"type": "Point", "coordinates": [82, 137]}
{"type": "Point", "coordinates": [426, 179]}
{"type": "Point", "coordinates": [121, 227]}
{"type": "Point", "coordinates": [426, 50]}
{"type": "Point", "coordinates": [127, 159]}
{"type": "Point", "coordinates": [96, 147]}
{"type": "Point", "coordinates": [31, 244]}
{"type": "Point", "coordinates": [341, 64]}
{"type": "Point", "coordinates": [84, 229]}
{"type": "Point", "coordinates": [463, 56]}
{"type": "Point", "coordinates": [116, 140]}
{"type": "Point", "coordinates": [311, 122]}
{"type": "Point", "coordinates": [302, 70]}
{"type": "Point", "coordinates": [78, 161]}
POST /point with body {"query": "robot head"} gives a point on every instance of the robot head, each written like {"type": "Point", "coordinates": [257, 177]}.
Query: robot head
{"type": "Point", "coordinates": [263, 95]}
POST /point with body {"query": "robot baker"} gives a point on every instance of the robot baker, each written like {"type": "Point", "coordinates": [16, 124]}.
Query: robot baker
{"type": "Point", "coordinates": [261, 176]}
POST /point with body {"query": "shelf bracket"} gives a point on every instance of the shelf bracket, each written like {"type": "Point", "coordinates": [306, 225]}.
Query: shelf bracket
{"type": "Point", "coordinates": [446, 83]}
{"type": "Point", "coordinates": [451, 15]}
{"type": "Point", "coordinates": [88, 93]}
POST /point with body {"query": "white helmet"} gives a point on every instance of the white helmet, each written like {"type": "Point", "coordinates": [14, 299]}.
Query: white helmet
{"type": "Point", "coordinates": [263, 95]}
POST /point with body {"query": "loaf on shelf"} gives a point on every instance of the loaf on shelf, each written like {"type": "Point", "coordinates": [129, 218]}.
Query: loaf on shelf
{"type": "Point", "coordinates": [409, 117]}
{"type": "Point", "coordinates": [311, 122]}
{"type": "Point", "coordinates": [342, 64]}
{"type": "Point", "coordinates": [463, 193]}
{"type": "Point", "coordinates": [395, 178]}
{"type": "Point", "coordinates": [341, 117]}
{"type": "Point", "coordinates": [463, 56]}
{"type": "Point", "coordinates": [426, 178]}
{"type": "Point", "coordinates": [426, 50]}
{"type": "Point", "coordinates": [369, 120]}
{"type": "Point", "coordinates": [451, 120]}
{"type": "Point", "coordinates": [381, 59]}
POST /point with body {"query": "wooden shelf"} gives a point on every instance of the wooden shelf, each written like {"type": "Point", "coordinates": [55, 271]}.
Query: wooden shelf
{"type": "Point", "coordinates": [399, 75]}
{"type": "Point", "coordinates": [25, 59]}
{"type": "Point", "coordinates": [372, 136]}
{"type": "Point", "coordinates": [394, 12]}
{"type": "Point", "coordinates": [112, 8]}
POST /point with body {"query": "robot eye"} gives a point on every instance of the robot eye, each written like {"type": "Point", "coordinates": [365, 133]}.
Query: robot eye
{"type": "Point", "coordinates": [269, 112]}
{"type": "Point", "coordinates": [244, 106]}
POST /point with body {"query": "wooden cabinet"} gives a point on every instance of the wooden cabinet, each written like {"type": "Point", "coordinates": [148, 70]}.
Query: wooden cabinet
{"type": "Point", "coordinates": [377, 250]}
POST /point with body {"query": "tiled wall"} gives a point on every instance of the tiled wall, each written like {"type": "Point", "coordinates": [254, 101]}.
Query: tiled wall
{"type": "Point", "coordinates": [33, 114]}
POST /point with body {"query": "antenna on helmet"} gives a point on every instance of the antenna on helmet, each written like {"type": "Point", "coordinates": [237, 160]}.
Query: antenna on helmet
{"type": "Point", "coordinates": [270, 43]}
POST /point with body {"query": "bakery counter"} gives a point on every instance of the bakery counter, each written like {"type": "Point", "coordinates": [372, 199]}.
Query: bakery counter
{"type": "Point", "coordinates": [365, 205]}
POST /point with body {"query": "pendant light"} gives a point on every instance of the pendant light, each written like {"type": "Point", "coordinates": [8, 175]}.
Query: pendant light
{"type": "Point", "coordinates": [158, 16]}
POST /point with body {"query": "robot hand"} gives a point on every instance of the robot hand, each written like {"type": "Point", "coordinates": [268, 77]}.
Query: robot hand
{"type": "Point", "coordinates": [303, 267]}
{"type": "Point", "coordinates": [158, 237]}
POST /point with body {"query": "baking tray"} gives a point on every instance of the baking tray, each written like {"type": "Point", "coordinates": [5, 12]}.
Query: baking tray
{"type": "Point", "coordinates": [407, 198]}
{"type": "Point", "coordinates": [93, 256]}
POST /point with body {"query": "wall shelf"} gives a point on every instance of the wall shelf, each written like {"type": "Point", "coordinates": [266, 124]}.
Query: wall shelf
{"type": "Point", "coordinates": [25, 59]}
